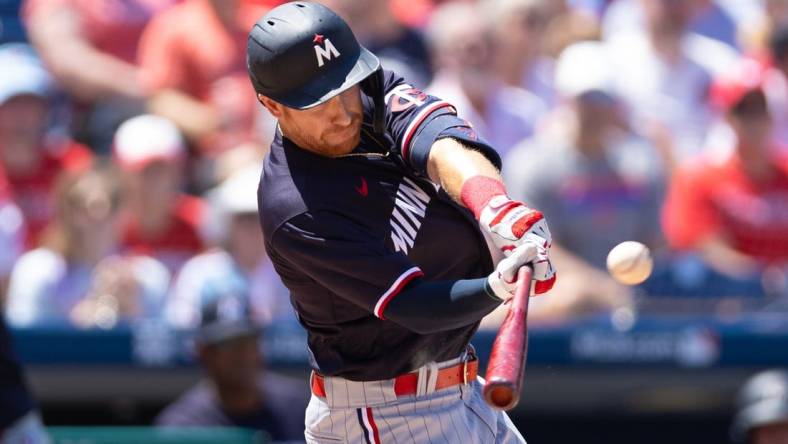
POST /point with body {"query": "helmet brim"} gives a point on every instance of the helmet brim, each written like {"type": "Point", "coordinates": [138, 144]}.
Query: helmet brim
{"type": "Point", "coordinates": [332, 83]}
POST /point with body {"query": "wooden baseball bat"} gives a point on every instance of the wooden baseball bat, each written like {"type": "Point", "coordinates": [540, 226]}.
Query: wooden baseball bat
{"type": "Point", "coordinates": [509, 351]}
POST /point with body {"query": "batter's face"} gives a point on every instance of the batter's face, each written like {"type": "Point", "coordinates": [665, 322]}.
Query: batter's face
{"type": "Point", "coordinates": [330, 129]}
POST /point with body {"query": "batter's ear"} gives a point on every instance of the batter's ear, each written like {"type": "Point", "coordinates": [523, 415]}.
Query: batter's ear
{"type": "Point", "coordinates": [273, 107]}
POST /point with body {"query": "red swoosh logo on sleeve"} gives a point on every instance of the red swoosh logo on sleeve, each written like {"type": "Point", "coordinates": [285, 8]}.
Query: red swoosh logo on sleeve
{"type": "Point", "coordinates": [363, 190]}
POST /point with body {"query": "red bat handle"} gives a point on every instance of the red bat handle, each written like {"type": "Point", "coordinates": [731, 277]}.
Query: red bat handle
{"type": "Point", "coordinates": [509, 351]}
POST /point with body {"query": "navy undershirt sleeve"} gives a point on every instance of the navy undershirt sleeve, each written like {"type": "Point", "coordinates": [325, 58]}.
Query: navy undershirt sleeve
{"type": "Point", "coordinates": [430, 307]}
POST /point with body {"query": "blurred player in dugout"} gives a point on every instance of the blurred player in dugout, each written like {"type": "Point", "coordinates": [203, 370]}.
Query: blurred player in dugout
{"type": "Point", "coordinates": [762, 414]}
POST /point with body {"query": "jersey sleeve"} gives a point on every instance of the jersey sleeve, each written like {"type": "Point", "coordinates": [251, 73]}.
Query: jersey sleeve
{"type": "Point", "coordinates": [415, 120]}
{"type": "Point", "coordinates": [341, 256]}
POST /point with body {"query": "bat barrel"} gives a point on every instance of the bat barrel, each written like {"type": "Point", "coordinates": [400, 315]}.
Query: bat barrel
{"type": "Point", "coordinates": [507, 357]}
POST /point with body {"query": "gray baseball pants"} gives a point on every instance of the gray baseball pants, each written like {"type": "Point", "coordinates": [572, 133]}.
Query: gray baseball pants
{"type": "Point", "coordinates": [370, 412]}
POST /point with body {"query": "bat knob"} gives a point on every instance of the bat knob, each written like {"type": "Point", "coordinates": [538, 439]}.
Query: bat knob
{"type": "Point", "coordinates": [501, 397]}
{"type": "Point", "coordinates": [500, 394]}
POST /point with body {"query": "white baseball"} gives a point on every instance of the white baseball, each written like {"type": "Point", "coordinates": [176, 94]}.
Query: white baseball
{"type": "Point", "coordinates": [630, 262]}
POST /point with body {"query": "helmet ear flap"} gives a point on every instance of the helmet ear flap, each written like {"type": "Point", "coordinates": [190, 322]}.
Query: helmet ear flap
{"type": "Point", "coordinates": [373, 87]}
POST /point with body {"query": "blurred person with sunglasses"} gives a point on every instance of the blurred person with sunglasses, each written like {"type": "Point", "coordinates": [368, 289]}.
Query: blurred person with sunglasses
{"type": "Point", "coordinates": [464, 55]}
{"type": "Point", "coordinates": [518, 31]}
{"type": "Point", "coordinates": [74, 277]}
{"type": "Point", "coordinates": [734, 210]}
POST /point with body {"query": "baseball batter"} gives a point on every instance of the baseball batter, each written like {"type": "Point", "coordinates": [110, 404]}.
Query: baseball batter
{"type": "Point", "coordinates": [385, 216]}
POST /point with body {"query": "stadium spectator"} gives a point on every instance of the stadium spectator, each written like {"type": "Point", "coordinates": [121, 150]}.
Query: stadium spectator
{"type": "Point", "coordinates": [464, 54]}
{"type": "Point", "coordinates": [762, 415]}
{"type": "Point", "coordinates": [198, 80]}
{"type": "Point", "coordinates": [734, 210]}
{"type": "Point", "coordinates": [161, 220]}
{"type": "Point", "coordinates": [597, 183]}
{"type": "Point", "coordinates": [663, 73]}
{"type": "Point", "coordinates": [72, 277]}
{"type": "Point", "coordinates": [241, 254]}
{"type": "Point", "coordinates": [517, 30]}
{"type": "Point", "coordinates": [238, 390]}
{"type": "Point", "coordinates": [30, 156]}
{"type": "Point", "coordinates": [91, 48]}
{"type": "Point", "coordinates": [400, 48]}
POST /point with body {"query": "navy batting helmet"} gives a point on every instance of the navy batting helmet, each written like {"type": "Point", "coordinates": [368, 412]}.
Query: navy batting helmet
{"type": "Point", "coordinates": [763, 400]}
{"type": "Point", "coordinates": [302, 54]}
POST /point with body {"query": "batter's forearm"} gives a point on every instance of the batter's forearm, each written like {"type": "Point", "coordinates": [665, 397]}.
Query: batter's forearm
{"type": "Point", "coordinates": [431, 307]}
{"type": "Point", "coordinates": [451, 164]}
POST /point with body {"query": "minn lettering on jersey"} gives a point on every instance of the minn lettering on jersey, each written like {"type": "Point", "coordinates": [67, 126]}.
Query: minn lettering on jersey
{"type": "Point", "coordinates": [410, 207]}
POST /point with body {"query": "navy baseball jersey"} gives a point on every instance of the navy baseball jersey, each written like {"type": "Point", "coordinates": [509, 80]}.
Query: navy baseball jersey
{"type": "Point", "coordinates": [347, 234]}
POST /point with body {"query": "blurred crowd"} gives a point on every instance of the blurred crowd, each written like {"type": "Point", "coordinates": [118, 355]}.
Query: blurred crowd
{"type": "Point", "coordinates": [131, 145]}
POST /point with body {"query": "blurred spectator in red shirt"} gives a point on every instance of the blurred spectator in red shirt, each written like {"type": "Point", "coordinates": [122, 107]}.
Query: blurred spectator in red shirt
{"type": "Point", "coordinates": [193, 59]}
{"type": "Point", "coordinates": [160, 220]}
{"type": "Point", "coordinates": [735, 211]}
{"type": "Point", "coordinates": [72, 278]}
{"type": "Point", "coordinates": [91, 48]}
{"type": "Point", "coordinates": [463, 52]}
{"type": "Point", "coordinates": [30, 157]}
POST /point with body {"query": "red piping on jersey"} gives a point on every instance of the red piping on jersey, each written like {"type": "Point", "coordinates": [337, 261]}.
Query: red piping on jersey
{"type": "Point", "coordinates": [411, 130]}
{"type": "Point", "coordinates": [395, 288]}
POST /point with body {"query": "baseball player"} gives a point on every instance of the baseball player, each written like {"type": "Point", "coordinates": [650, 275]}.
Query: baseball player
{"type": "Point", "coordinates": [385, 216]}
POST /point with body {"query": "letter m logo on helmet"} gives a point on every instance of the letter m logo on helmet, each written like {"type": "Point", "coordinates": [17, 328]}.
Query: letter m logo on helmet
{"type": "Point", "coordinates": [327, 52]}
{"type": "Point", "coordinates": [282, 48]}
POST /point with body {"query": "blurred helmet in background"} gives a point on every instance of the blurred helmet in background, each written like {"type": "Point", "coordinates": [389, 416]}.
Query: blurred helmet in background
{"type": "Point", "coordinates": [762, 401]}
